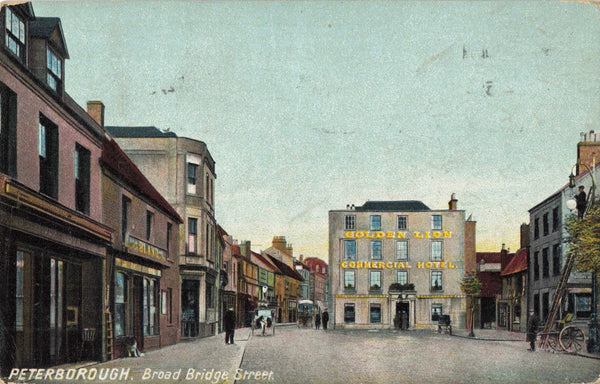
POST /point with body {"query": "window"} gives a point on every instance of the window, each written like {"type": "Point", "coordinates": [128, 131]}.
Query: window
{"type": "Point", "coordinates": [163, 303]}
{"type": "Point", "coordinates": [350, 250]}
{"type": "Point", "coordinates": [54, 71]}
{"type": "Point", "coordinates": [545, 224]}
{"type": "Point", "coordinates": [375, 280]}
{"type": "Point", "coordinates": [555, 220]}
{"type": "Point", "coordinates": [556, 268]}
{"type": "Point", "coordinates": [436, 312]}
{"type": "Point", "coordinates": [436, 250]}
{"type": "Point", "coordinates": [150, 314]}
{"type": "Point", "coordinates": [545, 304]}
{"type": "Point", "coordinates": [584, 304]}
{"type": "Point", "coordinates": [536, 304]}
{"type": "Point", "coordinates": [402, 250]}
{"type": "Point", "coordinates": [192, 170]}
{"type": "Point", "coordinates": [402, 222]}
{"type": "Point", "coordinates": [375, 223]}
{"type": "Point", "coordinates": [210, 302]}
{"type": "Point", "coordinates": [536, 228]}
{"type": "Point", "coordinates": [192, 235]}
{"type": "Point", "coordinates": [376, 250]}
{"type": "Point", "coordinates": [19, 291]}
{"type": "Point", "coordinates": [536, 266]}
{"type": "Point", "coordinates": [349, 279]}
{"type": "Point", "coordinates": [125, 208]}
{"type": "Point", "coordinates": [545, 263]}
{"type": "Point", "coordinates": [207, 184]}
{"type": "Point", "coordinates": [350, 222]}
{"type": "Point", "coordinates": [436, 281]}
{"type": "Point", "coordinates": [48, 155]}
{"type": "Point", "coordinates": [436, 222]}
{"type": "Point", "coordinates": [15, 34]}
{"type": "Point", "coordinates": [349, 313]}
{"type": "Point", "coordinates": [402, 277]}
{"type": "Point", "coordinates": [120, 304]}
{"type": "Point", "coordinates": [375, 313]}
{"type": "Point", "coordinates": [169, 234]}
{"type": "Point", "coordinates": [149, 222]}
{"type": "Point", "coordinates": [8, 131]}
{"type": "Point", "coordinates": [82, 179]}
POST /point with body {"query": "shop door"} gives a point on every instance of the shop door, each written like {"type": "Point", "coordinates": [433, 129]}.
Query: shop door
{"type": "Point", "coordinates": [138, 311]}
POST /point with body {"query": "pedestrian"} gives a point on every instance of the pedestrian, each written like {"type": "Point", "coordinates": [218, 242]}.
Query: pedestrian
{"type": "Point", "coordinates": [229, 324]}
{"type": "Point", "coordinates": [325, 319]}
{"type": "Point", "coordinates": [581, 201]}
{"type": "Point", "coordinates": [532, 327]}
{"type": "Point", "coordinates": [404, 320]}
{"type": "Point", "coordinates": [317, 320]}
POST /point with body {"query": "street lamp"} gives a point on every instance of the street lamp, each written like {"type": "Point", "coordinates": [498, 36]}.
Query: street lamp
{"type": "Point", "coordinates": [593, 343]}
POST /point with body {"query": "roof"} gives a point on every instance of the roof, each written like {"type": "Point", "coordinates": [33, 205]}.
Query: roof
{"type": "Point", "coordinates": [489, 257]}
{"type": "Point", "coordinates": [114, 158]}
{"type": "Point", "coordinates": [130, 132]}
{"type": "Point", "coordinates": [284, 268]}
{"type": "Point", "coordinates": [260, 258]}
{"type": "Point", "coordinates": [517, 264]}
{"type": "Point", "coordinates": [45, 26]}
{"type": "Point", "coordinates": [397, 206]}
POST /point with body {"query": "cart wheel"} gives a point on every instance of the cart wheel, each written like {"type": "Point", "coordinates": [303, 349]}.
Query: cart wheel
{"type": "Point", "coordinates": [554, 343]}
{"type": "Point", "coordinates": [572, 339]}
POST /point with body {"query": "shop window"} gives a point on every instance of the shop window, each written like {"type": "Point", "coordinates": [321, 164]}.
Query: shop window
{"type": "Point", "coordinates": [376, 250]}
{"type": "Point", "coordinates": [350, 222]}
{"type": "Point", "coordinates": [150, 299]}
{"type": "Point", "coordinates": [436, 281]}
{"type": "Point", "coordinates": [192, 235]}
{"type": "Point", "coordinates": [556, 268]}
{"type": "Point", "coordinates": [436, 251]}
{"type": "Point", "coordinates": [375, 222]}
{"type": "Point", "coordinates": [82, 179]}
{"type": "Point", "coordinates": [584, 305]}
{"type": "Point", "coordinates": [8, 131]}
{"type": "Point", "coordinates": [436, 312]}
{"type": "Point", "coordinates": [15, 34]}
{"type": "Point", "coordinates": [402, 250]}
{"type": "Point", "coordinates": [210, 302]}
{"type": "Point", "coordinates": [349, 280]}
{"type": "Point", "coordinates": [402, 222]}
{"type": "Point", "coordinates": [48, 156]}
{"type": "Point", "coordinates": [375, 313]}
{"type": "Point", "coordinates": [349, 313]}
{"type": "Point", "coordinates": [402, 277]}
{"type": "Point", "coordinates": [19, 291]}
{"type": "Point", "coordinates": [121, 299]}
{"type": "Point", "coordinates": [375, 280]}
{"type": "Point", "coordinates": [436, 222]}
{"type": "Point", "coordinates": [350, 250]}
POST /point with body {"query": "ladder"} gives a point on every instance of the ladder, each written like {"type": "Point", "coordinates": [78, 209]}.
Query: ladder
{"type": "Point", "coordinates": [561, 288]}
{"type": "Point", "coordinates": [109, 335]}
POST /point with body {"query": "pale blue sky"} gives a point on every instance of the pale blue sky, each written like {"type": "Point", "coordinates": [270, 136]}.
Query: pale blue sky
{"type": "Point", "coordinates": [309, 106]}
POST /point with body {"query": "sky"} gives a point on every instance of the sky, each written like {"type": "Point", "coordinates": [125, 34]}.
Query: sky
{"type": "Point", "coordinates": [309, 106]}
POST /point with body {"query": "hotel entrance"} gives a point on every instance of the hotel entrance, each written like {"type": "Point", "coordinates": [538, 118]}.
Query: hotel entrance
{"type": "Point", "coordinates": [403, 314]}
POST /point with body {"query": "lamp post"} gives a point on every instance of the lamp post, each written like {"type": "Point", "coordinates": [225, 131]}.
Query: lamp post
{"type": "Point", "coordinates": [593, 342]}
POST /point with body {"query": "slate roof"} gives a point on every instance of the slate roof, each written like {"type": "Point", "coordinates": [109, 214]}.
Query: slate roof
{"type": "Point", "coordinates": [114, 158]}
{"type": "Point", "coordinates": [130, 132]}
{"type": "Point", "coordinates": [269, 264]}
{"type": "Point", "coordinates": [284, 268]}
{"type": "Point", "coordinates": [396, 206]}
{"type": "Point", "coordinates": [517, 264]}
{"type": "Point", "coordinates": [45, 26]}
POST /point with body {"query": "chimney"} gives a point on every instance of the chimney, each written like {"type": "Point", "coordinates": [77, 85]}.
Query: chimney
{"type": "Point", "coordinates": [588, 150]}
{"type": "Point", "coordinates": [524, 235]}
{"type": "Point", "coordinates": [289, 250]}
{"type": "Point", "coordinates": [96, 111]}
{"type": "Point", "coordinates": [452, 202]}
{"type": "Point", "coordinates": [503, 256]}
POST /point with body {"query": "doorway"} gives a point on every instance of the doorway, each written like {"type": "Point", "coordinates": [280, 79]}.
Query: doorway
{"type": "Point", "coordinates": [403, 314]}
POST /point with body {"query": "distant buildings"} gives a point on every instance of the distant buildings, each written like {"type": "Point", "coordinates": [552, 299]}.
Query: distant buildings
{"type": "Point", "coordinates": [389, 258]}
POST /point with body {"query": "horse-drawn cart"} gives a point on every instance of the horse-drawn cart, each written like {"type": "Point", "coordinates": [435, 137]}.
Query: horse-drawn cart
{"type": "Point", "coordinates": [563, 337]}
{"type": "Point", "coordinates": [264, 322]}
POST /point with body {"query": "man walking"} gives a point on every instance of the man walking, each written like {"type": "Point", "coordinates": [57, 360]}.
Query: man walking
{"type": "Point", "coordinates": [229, 324]}
{"type": "Point", "coordinates": [325, 319]}
{"type": "Point", "coordinates": [532, 327]}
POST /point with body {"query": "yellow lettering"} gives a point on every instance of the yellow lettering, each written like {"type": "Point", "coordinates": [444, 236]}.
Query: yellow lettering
{"type": "Point", "coordinates": [358, 235]}
{"type": "Point", "coordinates": [352, 264]}
{"type": "Point", "coordinates": [369, 235]}
{"type": "Point", "coordinates": [406, 265]}
{"type": "Point", "coordinates": [400, 235]}
{"type": "Point", "coordinates": [443, 264]}
{"type": "Point", "coordinates": [418, 235]}
{"type": "Point", "coordinates": [428, 265]}
{"type": "Point", "coordinates": [349, 234]}
{"type": "Point", "coordinates": [447, 234]}
{"type": "Point", "coordinates": [436, 234]}
{"type": "Point", "coordinates": [344, 264]}
{"type": "Point", "coordinates": [359, 264]}
{"type": "Point", "coordinates": [450, 265]}
{"type": "Point", "coordinates": [389, 235]}
{"type": "Point", "coordinates": [427, 235]}
{"type": "Point", "coordinates": [379, 235]}
{"type": "Point", "coordinates": [388, 265]}
{"type": "Point", "coordinates": [420, 264]}
{"type": "Point", "coordinates": [436, 264]}
{"type": "Point", "coordinates": [380, 264]}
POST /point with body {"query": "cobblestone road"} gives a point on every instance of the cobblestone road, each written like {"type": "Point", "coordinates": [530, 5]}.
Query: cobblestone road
{"type": "Point", "coordinates": [309, 356]}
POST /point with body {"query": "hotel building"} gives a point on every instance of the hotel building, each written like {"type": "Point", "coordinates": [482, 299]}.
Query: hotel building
{"type": "Point", "coordinates": [398, 259]}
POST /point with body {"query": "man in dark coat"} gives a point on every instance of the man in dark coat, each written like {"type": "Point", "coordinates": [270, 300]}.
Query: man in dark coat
{"type": "Point", "coordinates": [325, 319]}
{"type": "Point", "coordinates": [317, 320]}
{"type": "Point", "coordinates": [229, 324]}
{"type": "Point", "coordinates": [581, 200]}
{"type": "Point", "coordinates": [532, 328]}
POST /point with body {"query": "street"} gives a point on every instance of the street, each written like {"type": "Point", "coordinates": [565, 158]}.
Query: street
{"type": "Point", "coordinates": [304, 355]}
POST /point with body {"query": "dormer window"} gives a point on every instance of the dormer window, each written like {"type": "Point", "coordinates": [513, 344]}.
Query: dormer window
{"type": "Point", "coordinates": [15, 34]}
{"type": "Point", "coordinates": [54, 71]}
